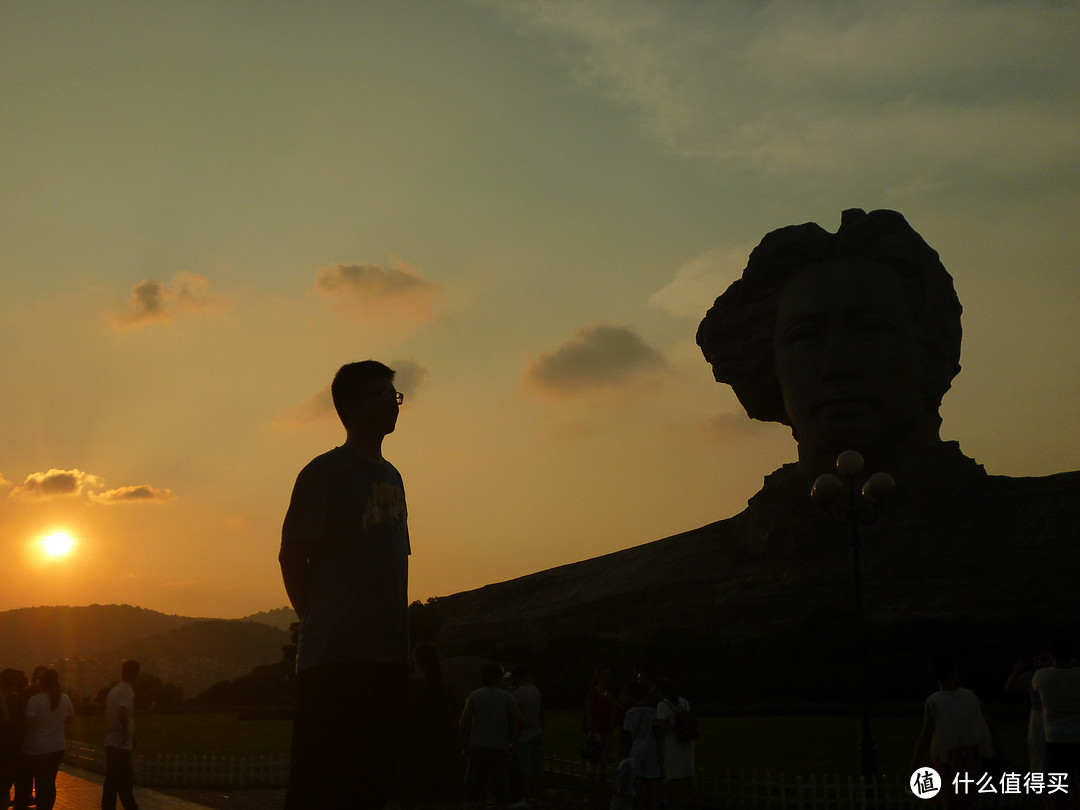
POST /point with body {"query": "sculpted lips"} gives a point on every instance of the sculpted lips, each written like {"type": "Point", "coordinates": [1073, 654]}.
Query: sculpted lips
{"type": "Point", "coordinates": [844, 403]}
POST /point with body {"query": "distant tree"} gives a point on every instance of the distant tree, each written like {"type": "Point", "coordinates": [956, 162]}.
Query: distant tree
{"type": "Point", "coordinates": [425, 620]}
{"type": "Point", "coordinates": [151, 693]}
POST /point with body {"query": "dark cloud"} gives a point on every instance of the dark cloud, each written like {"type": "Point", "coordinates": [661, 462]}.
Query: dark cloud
{"type": "Point", "coordinates": [143, 493]}
{"type": "Point", "coordinates": [153, 302]}
{"type": "Point", "coordinates": [55, 484]}
{"type": "Point", "coordinates": [596, 357]}
{"type": "Point", "coordinates": [397, 293]}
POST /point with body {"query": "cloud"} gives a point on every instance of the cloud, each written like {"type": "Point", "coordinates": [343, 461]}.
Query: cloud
{"type": "Point", "coordinates": [597, 357]}
{"type": "Point", "coordinates": [55, 484]}
{"type": "Point", "coordinates": [143, 493]}
{"type": "Point", "coordinates": [698, 282]}
{"type": "Point", "coordinates": [153, 302]}
{"type": "Point", "coordinates": [316, 408]}
{"type": "Point", "coordinates": [884, 91]}
{"type": "Point", "coordinates": [396, 294]}
{"type": "Point", "coordinates": [731, 425]}
{"type": "Point", "coordinates": [4, 482]}
{"type": "Point", "coordinates": [409, 377]}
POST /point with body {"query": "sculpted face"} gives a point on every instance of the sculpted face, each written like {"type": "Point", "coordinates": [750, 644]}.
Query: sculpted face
{"type": "Point", "coordinates": [848, 357]}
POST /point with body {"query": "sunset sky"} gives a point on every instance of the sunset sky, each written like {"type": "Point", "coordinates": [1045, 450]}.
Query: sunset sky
{"type": "Point", "coordinates": [525, 208]}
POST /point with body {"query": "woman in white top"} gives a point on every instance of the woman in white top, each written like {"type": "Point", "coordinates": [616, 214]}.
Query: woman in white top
{"type": "Point", "coordinates": [956, 732]}
{"type": "Point", "coordinates": [677, 754]}
{"type": "Point", "coordinates": [44, 742]}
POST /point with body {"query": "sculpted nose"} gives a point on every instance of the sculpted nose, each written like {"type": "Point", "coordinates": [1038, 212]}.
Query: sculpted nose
{"type": "Point", "coordinates": [843, 359]}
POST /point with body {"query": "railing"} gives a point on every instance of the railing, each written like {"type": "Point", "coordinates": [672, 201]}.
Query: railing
{"type": "Point", "coordinates": [772, 791]}
{"type": "Point", "coordinates": [729, 790]}
{"type": "Point", "coordinates": [175, 770]}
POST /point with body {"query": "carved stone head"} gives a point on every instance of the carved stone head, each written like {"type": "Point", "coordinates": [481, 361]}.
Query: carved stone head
{"type": "Point", "coordinates": [851, 338]}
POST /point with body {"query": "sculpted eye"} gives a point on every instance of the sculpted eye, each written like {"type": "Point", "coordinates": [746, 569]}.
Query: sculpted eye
{"type": "Point", "coordinates": [801, 334]}
{"type": "Point", "coordinates": [872, 327]}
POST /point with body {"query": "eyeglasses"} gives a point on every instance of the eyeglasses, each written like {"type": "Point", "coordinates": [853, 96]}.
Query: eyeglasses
{"type": "Point", "coordinates": [396, 396]}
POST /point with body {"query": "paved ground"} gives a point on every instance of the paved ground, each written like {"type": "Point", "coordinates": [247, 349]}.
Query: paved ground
{"type": "Point", "coordinates": [77, 789]}
{"type": "Point", "coordinates": [81, 790]}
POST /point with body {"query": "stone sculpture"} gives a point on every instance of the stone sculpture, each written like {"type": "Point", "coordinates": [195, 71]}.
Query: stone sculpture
{"type": "Point", "coordinates": [851, 339]}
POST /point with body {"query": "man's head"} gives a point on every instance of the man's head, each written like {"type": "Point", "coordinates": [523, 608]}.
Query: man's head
{"type": "Point", "coordinates": [129, 670]}
{"type": "Point", "coordinates": [491, 674]}
{"type": "Point", "coordinates": [849, 338]}
{"type": "Point", "coordinates": [364, 396]}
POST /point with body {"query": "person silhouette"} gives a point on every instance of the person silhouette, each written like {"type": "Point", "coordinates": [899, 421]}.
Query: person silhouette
{"type": "Point", "coordinates": [344, 560]}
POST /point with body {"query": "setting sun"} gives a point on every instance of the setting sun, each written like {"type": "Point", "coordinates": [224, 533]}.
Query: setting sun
{"type": "Point", "coordinates": [57, 544]}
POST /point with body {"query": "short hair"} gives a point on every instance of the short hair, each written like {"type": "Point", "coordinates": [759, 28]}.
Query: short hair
{"type": "Point", "coordinates": [736, 335]}
{"type": "Point", "coordinates": [130, 670]}
{"type": "Point", "coordinates": [491, 674]}
{"type": "Point", "coordinates": [943, 665]}
{"type": "Point", "coordinates": [352, 380]}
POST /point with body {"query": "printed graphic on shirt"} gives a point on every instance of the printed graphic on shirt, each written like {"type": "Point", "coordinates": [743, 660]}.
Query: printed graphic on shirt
{"type": "Point", "coordinates": [386, 505]}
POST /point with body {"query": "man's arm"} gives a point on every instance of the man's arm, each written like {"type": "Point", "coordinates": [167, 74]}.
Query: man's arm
{"type": "Point", "coordinates": [293, 559]}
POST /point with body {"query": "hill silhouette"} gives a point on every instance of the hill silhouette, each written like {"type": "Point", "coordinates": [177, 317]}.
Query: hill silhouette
{"type": "Point", "coordinates": [42, 635]}
{"type": "Point", "coordinates": [88, 643]}
{"type": "Point", "coordinates": [280, 617]}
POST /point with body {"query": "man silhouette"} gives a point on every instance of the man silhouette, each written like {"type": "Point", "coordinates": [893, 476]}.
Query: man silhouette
{"type": "Point", "coordinates": [344, 561]}
{"type": "Point", "coordinates": [120, 740]}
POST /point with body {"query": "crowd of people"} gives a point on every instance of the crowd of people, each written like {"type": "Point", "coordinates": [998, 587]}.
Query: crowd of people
{"type": "Point", "coordinates": [647, 732]}
{"type": "Point", "coordinates": [490, 748]}
{"type": "Point", "coordinates": [959, 739]}
{"type": "Point", "coordinates": [34, 715]}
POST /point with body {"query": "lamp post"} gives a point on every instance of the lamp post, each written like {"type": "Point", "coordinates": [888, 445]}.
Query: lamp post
{"type": "Point", "coordinates": [846, 502]}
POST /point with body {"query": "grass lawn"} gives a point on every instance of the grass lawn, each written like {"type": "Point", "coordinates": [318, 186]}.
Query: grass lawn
{"type": "Point", "coordinates": [212, 734]}
{"type": "Point", "coordinates": [800, 745]}
{"type": "Point", "coordinates": [789, 745]}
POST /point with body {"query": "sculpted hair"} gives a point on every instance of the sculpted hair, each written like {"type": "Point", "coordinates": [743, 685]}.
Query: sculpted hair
{"type": "Point", "coordinates": [353, 379]}
{"type": "Point", "coordinates": [736, 335]}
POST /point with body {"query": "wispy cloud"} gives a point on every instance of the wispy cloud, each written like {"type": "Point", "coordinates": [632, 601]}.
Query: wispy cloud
{"type": "Point", "coordinates": [385, 295]}
{"type": "Point", "coordinates": [153, 302]}
{"type": "Point", "coordinates": [894, 90]}
{"type": "Point", "coordinates": [55, 484]}
{"type": "Point", "coordinates": [4, 482]}
{"type": "Point", "coordinates": [699, 281]}
{"type": "Point", "coordinates": [597, 357]}
{"type": "Point", "coordinates": [409, 377]}
{"type": "Point", "coordinates": [143, 493]}
{"type": "Point", "coordinates": [316, 408]}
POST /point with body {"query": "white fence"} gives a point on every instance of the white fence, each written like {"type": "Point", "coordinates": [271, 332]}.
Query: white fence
{"type": "Point", "coordinates": [174, 770]}
{"type": "Point", "coordinates": [730, 790]}
{"type": "Point", "coordinates": [772, 791]}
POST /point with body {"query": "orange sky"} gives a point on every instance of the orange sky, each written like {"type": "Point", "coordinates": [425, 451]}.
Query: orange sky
{"type": "Point", "coordinates": [525, 208]}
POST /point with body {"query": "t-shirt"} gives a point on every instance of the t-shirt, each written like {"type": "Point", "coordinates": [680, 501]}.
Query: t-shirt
{"type": "Point", "coordinates": [603, 710]}
{"type": "Point", "coordinates": [350, 516]}
{"type": "Point", "coordinates": [46, 733]}
{"type": "Point", "coordinates": [121, 696]}
{"type": "Point", "coordinates": [528, 699]}
{"type": "Point", "coordinates": [958, 723]}
{"type": "Point", "coordinates": [491, 717]}
{"type": "Point", "coordinates": [1059, 690]}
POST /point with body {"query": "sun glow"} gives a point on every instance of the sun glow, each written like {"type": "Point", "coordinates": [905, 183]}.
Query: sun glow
{"type": "Point", "coordinates": [57, 544]}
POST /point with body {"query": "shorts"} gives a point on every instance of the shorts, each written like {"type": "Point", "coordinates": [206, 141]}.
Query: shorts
{"type": "Point", "coordinates": [529, 755]}
{"type": "Point", "coordinates": [485, 762]}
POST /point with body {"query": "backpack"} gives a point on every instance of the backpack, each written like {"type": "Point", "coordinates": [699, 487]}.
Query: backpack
{"type": "Point", "coordinates": [686, 729]}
